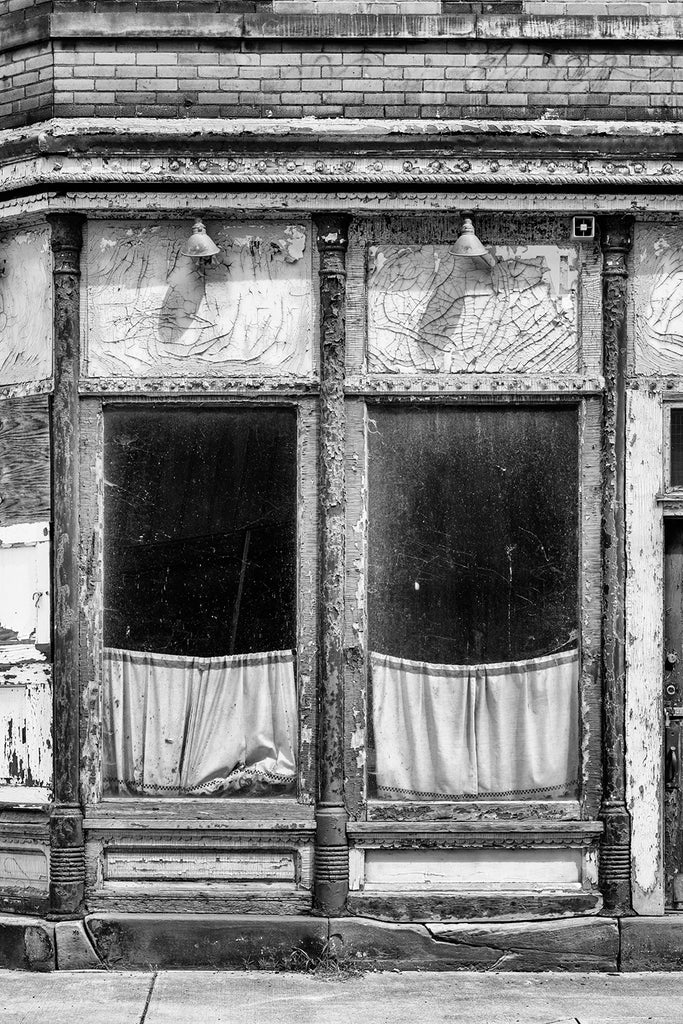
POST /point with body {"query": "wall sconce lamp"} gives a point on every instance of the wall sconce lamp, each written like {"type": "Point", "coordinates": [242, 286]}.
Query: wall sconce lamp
{"type": "Point", "coordinates": [199, 246]}
{"type": "Point", "coordinates": [469, 245]}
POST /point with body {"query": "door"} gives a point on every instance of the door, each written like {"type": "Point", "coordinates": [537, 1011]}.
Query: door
{"type": "Point", "coordinates": [673, 712]}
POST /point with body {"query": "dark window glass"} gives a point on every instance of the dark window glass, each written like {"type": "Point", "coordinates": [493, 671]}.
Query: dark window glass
{"type": "Point", "coordinates": [200, 530]}
{"type": "Point", "coordinates": [676, 447]}
{"type": "Point", "coordinates": [473, 532]}
{"type": "Point", "coordinates": [473, 561]}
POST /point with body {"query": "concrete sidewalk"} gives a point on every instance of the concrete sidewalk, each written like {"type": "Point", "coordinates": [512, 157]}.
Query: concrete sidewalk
{"type": "Point", "coordinates": [256, 997]}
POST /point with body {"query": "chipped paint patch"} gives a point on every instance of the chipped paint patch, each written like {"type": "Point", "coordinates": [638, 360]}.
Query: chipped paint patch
{"type": "Point", "coordinates": [25, 725]}
{"type": "Point", "coordinates": [25, 575]}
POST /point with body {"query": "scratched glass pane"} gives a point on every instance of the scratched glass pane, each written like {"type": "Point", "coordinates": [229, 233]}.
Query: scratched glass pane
{"type": "Point", "coordinates": [473, 547]}
{"type": "Point", "coordinates": [199, 582]}
{"type": "Point", "coordinates": [676, 448]}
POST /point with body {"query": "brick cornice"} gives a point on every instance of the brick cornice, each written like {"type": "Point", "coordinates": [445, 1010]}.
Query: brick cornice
{"type": "Point", "coordinates": [119, 24]}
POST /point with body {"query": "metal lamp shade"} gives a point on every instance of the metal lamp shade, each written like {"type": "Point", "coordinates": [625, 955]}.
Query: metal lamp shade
{"type": "Point", "coordinates": [199, 245]}
{"type": "Point", "coordinates": [469, 245]}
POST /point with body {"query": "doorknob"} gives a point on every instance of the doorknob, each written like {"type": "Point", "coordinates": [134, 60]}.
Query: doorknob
{"type": "Point", "coordinates": [671, 768]}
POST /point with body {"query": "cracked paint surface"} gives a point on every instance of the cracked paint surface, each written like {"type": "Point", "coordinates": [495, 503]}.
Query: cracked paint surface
{"type": "Point", "coordinates": [151, 311]}
{"type": "Point", "coordinates": [429, 310]}
{"type": "Point", "coordinates": [25, 307]}
{"type": "Point", "coordinates": [25, 717]}
{"type": "Point", "coordinates": [658, 286]}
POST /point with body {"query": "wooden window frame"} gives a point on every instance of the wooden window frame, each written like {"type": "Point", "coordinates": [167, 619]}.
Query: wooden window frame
{"type": "Point", "coordinates": [586, 805]}
{"type": "Point", "coordinates": [291, 811]}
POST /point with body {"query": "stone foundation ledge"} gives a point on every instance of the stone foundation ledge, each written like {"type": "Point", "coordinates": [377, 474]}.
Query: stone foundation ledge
{"type": "Point", "coordinates": [320, 945]}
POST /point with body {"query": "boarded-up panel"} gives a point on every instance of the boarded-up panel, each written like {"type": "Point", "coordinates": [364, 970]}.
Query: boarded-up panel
{"type": "Point", "coordinates": [644, 647]}
{"type": "Point", "coordinates": [429, 310]}
{"type": "Point", "coordinates": [24, 460]}
{"type": "Point", "coordinates": [25, 307]}
{"type": "Point", "coordinates": [152, 312]}
{"type": "Point", "coordinates": [658, 286]}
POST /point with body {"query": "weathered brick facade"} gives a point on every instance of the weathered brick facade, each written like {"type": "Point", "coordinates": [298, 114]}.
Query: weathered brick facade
{"type": "Point", "coordinates": [109, 60]}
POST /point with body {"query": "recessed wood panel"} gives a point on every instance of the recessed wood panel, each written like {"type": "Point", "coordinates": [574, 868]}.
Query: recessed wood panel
{"type": "Point", "coordinates": [198, 865]}
{"type": "Point", "coordinates": [438, 870]}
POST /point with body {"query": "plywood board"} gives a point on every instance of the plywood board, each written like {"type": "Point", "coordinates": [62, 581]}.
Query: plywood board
{"type": "Point", "coordinates": [432, 311]}
{"type": "Point", "coordinates": [152, 312]}
{"type": "Point", "coordinates": [25, 306]}
{"type": "Point", "coordinates": [24, 460]}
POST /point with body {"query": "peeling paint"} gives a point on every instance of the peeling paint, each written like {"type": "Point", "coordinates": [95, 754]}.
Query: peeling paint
{"type": "Point", "coordinates": [25, 307]}
{"type": "Point", "coordinates": [152, 312]}
{"type": "Point", "coordinates": [430, 310]}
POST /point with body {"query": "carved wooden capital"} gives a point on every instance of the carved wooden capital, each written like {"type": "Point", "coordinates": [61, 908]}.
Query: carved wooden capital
{"type": "Point", "coordinates": [66, 241]}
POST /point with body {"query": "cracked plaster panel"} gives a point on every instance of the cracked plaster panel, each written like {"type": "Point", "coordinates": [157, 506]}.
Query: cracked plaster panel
{"type": "Point", "coordinates": [429, 310]}
{"type": "Point", "coordinates": [152, 312]}
{"type": "Point", "coordinates": [658, 298]}
{"type": "Point", "coordinates": [25, 307]}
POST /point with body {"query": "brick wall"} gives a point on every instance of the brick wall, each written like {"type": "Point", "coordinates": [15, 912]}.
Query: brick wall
{"type": "Point", "coordinates": [454, 79]}
{"type": "Point", "coordinates": [26, 91]}
{"type": "Point", "coordinates": [231, 67]}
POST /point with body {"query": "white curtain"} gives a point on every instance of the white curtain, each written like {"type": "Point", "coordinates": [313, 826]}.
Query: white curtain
{"type": "Point", "coordinates": [507, 730]}
{"type": "Point", "coordinates": [192, 726]}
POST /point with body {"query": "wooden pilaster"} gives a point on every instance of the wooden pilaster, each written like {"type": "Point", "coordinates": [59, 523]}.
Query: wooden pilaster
{"type": "Point", "coordinates": [331, 852]}
{"type": "Point", "coordinates": [615, 233]}
{"type": "Point", "coordinates": [67, 854]}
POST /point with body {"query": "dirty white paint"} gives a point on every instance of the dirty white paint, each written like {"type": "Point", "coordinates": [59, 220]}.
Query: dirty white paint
{"type": "Point", "coordinates": [198, 865]}
{"type": "Point", "coordinates": [657, 289]}
{"type": "Point", "coordinates": [23, 871]}
{"type": "Point", "coordinates": [356, 868]}
{"type": "Point", "coordinates": [456, 870]}
{"type": "Point", "coordinates": [25, 583]}
{"type": "Point", "coordinates": [25, 726]}
{"type": "Point", "coordinates": [429, 310]}
{"type": "Point", "coordinates": [25, 306]}
{"type": "Point", "coordinates": [644, 647]}
{"type": "Point", "coordinates": [151, 312]}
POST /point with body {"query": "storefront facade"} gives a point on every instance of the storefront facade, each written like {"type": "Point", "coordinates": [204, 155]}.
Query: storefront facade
{"type": "Point", "coordinates": [341, 571]}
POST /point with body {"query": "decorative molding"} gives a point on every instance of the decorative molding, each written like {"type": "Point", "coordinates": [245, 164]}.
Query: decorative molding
{"type": "Point", "coordinates": [234, 386]}
{"type": "Point", "coordinates": [152, 203]}
{"type": "Point", "coordinates": [211, 170]}
{"type": "Point", "coordinates": [443, 835]}
{"type": "Point", "coordinates": [473, 384]}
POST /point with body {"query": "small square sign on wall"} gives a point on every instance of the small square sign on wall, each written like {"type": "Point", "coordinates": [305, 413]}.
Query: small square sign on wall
{"type": "Point", "coordinates": [583, 229]}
